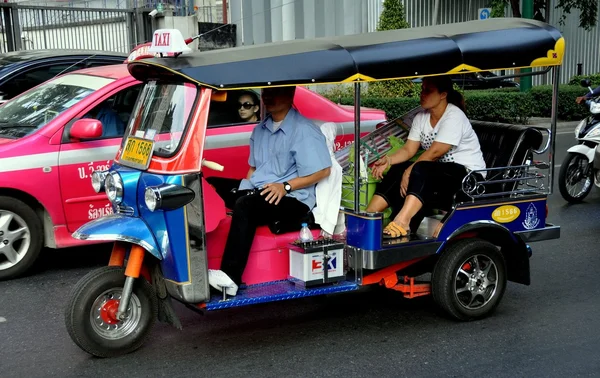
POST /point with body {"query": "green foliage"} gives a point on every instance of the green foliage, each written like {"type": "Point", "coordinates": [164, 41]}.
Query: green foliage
{"type": "Point", "coordinates": [595, 79]}
{"type": "Point", "coordinates": [588, 12]}
{"type": "Point", "coordinates": [509, 107]}
{"type": "Point", "coordinates": [392, 17]}
{"type": "Point", "coordinates": [394, 88]}
{"type": "Point", "coordinates": [498, 7]}
{"type": "Point", "coordinates": [587, 17]}
{"type": "Point", "coordinates": [568, 109]}
{"type": "Point", "coordinates": [499, 105]}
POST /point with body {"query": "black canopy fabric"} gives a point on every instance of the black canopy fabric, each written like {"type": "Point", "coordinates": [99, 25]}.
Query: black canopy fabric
{"type": "Point", "coordinates": [502, 43]}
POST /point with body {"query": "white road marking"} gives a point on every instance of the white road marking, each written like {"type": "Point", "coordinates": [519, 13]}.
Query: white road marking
{"type": "Point", "coordinates": [566, 132]}
{"type": "Point", "coordinates": [2, 320]}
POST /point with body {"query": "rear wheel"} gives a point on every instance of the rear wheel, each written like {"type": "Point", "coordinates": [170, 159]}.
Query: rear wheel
{"type": "Point", "coordinates": [575, 178]}
{"type": "Point", "coordinates": [469, 279]}
{"type": "Point", "coordinates": [91, 318]}
{"type": "Point", "coordinates": [21, 237]}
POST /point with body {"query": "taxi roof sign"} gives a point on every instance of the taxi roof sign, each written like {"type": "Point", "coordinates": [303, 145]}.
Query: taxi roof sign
{"type": "Point", "coordinates": [169, 41]}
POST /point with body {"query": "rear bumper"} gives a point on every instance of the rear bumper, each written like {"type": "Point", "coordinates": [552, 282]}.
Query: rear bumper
{"type": "Point", "coordinates": [547, 233]}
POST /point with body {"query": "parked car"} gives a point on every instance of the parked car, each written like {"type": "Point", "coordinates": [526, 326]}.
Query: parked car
{"type": "Point", "coordinates": [45, 168]}
{"type": "Point", "coordinates": [23, 70]}
{"type": "Point", "coordinates": [472, 80]}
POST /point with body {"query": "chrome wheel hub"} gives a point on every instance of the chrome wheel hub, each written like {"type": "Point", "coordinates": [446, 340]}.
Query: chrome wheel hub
{"type": "Point", "coordinates": [103, 315]}
{"type": "Point", "coordinates": [476, 282]}
{"type": "Point", "coordinates": [15, 239]}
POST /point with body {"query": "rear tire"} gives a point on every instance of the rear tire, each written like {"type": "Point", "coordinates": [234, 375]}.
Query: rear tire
{"type": "Point", "coordinates": [469, 279]}
{"type": "Point", "coordinates": [21, 237]}
{"type": "Point", "coordinates": [87, 314]}
{"type": "Point", "coordinates": [569, 177]}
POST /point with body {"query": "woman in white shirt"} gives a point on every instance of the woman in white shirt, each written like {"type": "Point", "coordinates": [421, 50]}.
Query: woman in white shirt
{"type": "Point", "coordinates": [451, 150]}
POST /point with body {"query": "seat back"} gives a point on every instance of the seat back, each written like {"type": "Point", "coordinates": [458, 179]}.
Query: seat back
{"type": "Point", "coordinates": [505, 145]}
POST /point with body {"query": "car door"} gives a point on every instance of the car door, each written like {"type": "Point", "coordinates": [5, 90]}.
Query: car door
{"type": "Point", "coordinates": [79, 159]}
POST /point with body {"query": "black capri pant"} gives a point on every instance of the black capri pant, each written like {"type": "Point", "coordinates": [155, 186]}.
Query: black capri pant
{"type": "Point", "coordinates": [433, 183]}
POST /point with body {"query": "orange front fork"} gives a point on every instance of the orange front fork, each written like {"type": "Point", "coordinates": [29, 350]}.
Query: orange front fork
{"type": "Point", "coordinates": [117, 257]}
{"type": "Point", "coordinates": [135, 266]}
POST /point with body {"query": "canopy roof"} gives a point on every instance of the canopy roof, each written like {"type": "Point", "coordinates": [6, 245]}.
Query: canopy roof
{"type": "Point", "coordinates": [499, 43]}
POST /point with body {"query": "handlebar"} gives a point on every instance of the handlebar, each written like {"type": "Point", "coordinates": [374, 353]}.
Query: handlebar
{"type": "Point", "coordinates": [212, 165]}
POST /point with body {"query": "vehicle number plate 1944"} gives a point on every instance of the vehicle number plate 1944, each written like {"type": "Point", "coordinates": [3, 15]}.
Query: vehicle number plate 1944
{"type": "Point", "coordinates": [137, 152]}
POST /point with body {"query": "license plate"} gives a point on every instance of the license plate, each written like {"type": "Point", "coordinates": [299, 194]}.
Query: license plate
{"type": "Point", "coordinates": [137, 152]}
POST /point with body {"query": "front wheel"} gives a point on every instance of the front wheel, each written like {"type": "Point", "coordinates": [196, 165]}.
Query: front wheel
{"type": "Point", "coordinates": [575, 178]}
{"type": "Point", "coordinates": [469, 279]}
{"type": "Point", "coordinates": [91, 319]}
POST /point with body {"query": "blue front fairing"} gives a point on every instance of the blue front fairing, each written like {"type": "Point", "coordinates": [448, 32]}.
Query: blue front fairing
{"type": "Point", "coordinates": [117, 227]}
{"type": "Point", "coordinates": [169, 227]}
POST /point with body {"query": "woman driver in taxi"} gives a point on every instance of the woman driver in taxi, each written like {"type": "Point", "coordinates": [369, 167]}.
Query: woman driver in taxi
{"type": "Point", "coordinates": [451, 150]}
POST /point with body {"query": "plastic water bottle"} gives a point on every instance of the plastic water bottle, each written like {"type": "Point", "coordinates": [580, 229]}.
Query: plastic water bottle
{"type": "Point", "coordinates": [305, 234]}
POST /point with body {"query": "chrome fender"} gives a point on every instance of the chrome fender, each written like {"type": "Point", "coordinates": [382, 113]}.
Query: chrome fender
{"type": "Point", "coordinates": [117, 227]}
{"type": "Point", "coordinates": [583, 150]}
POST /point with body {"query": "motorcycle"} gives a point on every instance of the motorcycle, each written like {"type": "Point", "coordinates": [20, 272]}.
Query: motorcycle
{"type": "Point", "coordinates": [577, 170]}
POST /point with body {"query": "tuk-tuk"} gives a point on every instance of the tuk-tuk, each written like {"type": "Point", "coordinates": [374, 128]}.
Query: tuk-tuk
{"type": "Point", "coordinates": [169, 226]}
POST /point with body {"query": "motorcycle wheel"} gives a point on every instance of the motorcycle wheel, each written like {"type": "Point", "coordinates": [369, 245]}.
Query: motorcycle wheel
{"type": "Point", "coordinates": [572, 183]}
{"type": "Point", "coordinates": [90, 314]}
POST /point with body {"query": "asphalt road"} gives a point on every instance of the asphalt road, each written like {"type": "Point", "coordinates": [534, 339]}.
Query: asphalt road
{"type": "Point", "coordinates": [548, 329]}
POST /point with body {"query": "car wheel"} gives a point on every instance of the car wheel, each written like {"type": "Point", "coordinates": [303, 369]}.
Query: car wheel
{"type": "Point", "coordinates": [21, 237]}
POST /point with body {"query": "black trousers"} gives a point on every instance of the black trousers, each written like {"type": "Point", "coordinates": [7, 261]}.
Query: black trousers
{"type": "Point", "coordinates": [433, 183]}
{"type": "Point", "coordinates": [250, 210]}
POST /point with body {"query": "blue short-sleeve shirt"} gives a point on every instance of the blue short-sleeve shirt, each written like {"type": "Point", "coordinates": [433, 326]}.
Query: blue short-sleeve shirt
{"type": "Point", "coordinates": [296, 149]}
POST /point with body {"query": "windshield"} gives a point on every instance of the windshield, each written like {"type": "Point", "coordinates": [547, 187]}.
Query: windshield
{"type": "Point", "coordinates": [30, 111]}
{"type": "Point", "coordinates": [161, 114]}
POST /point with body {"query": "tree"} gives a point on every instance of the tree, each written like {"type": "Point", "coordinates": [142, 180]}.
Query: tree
{"type": "Point", "coordinates": [587, 17]}
{"type": "Point", "coordinates": [392, 17]}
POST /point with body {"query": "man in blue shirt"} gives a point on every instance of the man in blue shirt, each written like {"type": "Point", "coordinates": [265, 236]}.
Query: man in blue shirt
{"type": "Point", "coordinates": [288, 156]}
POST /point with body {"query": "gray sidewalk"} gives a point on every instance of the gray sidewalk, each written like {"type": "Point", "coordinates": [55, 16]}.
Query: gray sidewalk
{"type": "Point", "coordinates": [561, 125]}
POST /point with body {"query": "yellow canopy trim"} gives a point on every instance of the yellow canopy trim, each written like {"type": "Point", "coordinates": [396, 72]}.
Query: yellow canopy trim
{"type": "Point", "coordinates": [554, 57]}
{"type": "Point", "coordinates": [358, 77]}
{"type": "Point", "coordinates": [464, 67]}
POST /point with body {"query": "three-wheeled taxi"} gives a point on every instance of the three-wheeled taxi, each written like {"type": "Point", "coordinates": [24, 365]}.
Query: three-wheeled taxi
{"type": "Point", "coordinates": [169, 226]}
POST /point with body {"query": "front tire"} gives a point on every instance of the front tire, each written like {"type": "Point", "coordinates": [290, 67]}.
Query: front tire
{"type": "Point", "coordinates": [21, 237]}
{"type": "Point", "coordinates": [574, 186]}
{"type": "Point", "coordinates": [469, 279]}
{"type": "Point", "coordinates": [90, 319]}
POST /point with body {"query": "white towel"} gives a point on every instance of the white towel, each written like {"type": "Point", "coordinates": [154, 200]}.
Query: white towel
{"type": "Point", "coordinates": [329, 190]}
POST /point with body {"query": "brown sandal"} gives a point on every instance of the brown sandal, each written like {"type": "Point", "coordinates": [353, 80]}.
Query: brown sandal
{"type": "Point", "coordinates": [393, 231]}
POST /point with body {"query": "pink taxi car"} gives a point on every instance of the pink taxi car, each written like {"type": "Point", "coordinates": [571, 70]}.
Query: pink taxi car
{"type": "Point", "coordinates": [49, 149]}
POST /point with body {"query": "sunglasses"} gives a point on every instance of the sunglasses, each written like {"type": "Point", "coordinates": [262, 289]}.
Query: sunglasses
{"type": "Point", "coordinates": [245, 105]}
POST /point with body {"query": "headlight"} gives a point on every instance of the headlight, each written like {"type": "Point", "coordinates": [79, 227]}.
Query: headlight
{"type": "Point", "coordinates": [579, 127]}
{"type": "Point", "coordinates": [114, 187]}
{"type": "Point", "coordinates": [98, 178]}
{"type": "Point", "coordinates": [167, 197]}
{"type": "Point", "coordinates": [594, 107]}
{"type": "Point", "coordinates": [152, 198]}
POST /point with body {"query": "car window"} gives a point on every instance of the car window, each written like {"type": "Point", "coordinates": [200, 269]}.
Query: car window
{"type": "Point", "coordinates": [27, 113]}
{"type": "Point", "coordinates": [115, 111]}
{"type": "Point", "coordinates": [31, 78]}
{"type": "Point", "coordinates": [240, 107]}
